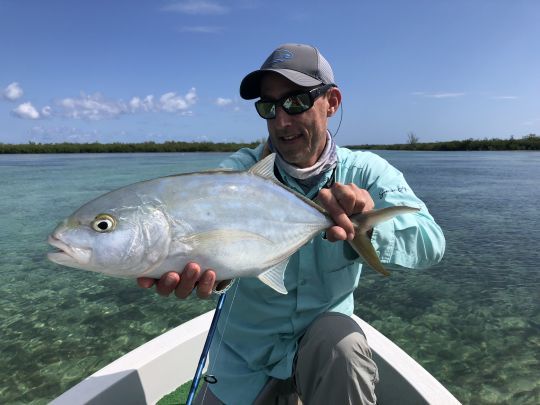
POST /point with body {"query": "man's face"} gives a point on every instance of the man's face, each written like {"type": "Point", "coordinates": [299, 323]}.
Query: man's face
{"type": "Point", "coordinates": [301, 138]}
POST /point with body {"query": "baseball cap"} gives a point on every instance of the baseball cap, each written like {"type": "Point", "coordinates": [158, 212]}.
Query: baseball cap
{"type": "Point", "coordinates": [301, 64]}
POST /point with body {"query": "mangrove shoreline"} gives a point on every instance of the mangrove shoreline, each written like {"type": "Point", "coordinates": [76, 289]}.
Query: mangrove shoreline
{"type": "Point", "coordinates": [529, 142]}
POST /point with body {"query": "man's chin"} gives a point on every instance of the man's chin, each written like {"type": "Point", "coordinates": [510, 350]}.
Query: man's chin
{"type": "Point", "coordinates": [295, 153]}
{"type": "Point", "coordinates": [293, 157]}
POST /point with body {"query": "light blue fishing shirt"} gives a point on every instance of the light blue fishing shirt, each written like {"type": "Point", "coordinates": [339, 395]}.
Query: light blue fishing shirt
{"type": "Point", "coordinates": [259, 329]}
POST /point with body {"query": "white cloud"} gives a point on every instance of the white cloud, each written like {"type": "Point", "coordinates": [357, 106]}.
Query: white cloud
{"type": "Point", "coordinates": [13, 92]}
{"type": "Point", "coordinates": [26, 111]}
{"type": "Point", "coordinates": [223, 101]}
{"type": "Point", "coordinates": [197, 7]}
{"type": "Point", "coordinates": [202, 29]}
{"type": "Point", "coordinates": [96, 107]}
{"type": "Point", "coordinates": [146, 104]}
{"type": "Point", "coordinates": [92, 107]}
{"type": "Point", "coordinates": [228, 104]}
{"type": "Point", "coordinates": [504, 97]}
{"type": "Point", "coordinates": [46, 111]}
{"type": "Point", "coordinates": [446, 95]}
{"type": "Point", "coordinates": [170, 102]}
{"type": "Point", "coordinates": [437, 95]}
{"type": "Point", "coordinates": [191, 96]}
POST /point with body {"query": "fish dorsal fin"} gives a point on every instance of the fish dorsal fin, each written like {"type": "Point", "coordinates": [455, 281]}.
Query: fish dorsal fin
{"type": "Point", "coordinates": [265, 168]}
{"type": "Point", "coordinates": [273, 277]}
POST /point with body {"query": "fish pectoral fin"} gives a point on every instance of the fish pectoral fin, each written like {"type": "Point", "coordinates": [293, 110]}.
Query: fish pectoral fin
{"type": "Point", "coordinates": [274, 276]}
{"type": "Point", "coordinates": [362, 245]}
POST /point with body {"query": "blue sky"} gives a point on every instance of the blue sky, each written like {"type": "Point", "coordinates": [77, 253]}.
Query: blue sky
{"type": "Point", "coordinates": [132, 71]}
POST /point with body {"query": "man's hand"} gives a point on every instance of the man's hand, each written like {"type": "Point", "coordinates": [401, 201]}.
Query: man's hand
{"type": "Point", "coordinates": [341, 201]}
{"type": "Point", "coordinates": [183, 284]}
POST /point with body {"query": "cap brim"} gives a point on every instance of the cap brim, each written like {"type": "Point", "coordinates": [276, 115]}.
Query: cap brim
{"type": "Point", "coordinates": [250, 87]}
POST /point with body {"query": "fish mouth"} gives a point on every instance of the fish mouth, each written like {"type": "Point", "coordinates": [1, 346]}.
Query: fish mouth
{"type": "Point", "coordinates": [67, 255]}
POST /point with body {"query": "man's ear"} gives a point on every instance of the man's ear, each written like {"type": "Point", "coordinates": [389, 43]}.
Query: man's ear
{"type": "Point", "coordinates": [334, 100]}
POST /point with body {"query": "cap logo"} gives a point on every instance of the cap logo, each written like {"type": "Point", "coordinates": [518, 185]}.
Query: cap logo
{"type": "Point", "coordinates": [281, 55]}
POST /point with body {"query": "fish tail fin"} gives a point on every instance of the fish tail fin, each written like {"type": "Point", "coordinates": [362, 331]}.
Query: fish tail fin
{"type": "Point", "coordinates": [362, 245]}
{"type": "Point", "coordinates": [364, 223]}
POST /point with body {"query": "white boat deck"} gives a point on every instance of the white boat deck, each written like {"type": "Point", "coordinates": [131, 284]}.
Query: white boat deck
{"type": "Point", "coordinates": [146, 374]}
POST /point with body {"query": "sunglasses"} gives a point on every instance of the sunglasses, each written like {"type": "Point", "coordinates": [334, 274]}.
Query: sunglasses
{"type": "Point", "coordinates": [292, 104]}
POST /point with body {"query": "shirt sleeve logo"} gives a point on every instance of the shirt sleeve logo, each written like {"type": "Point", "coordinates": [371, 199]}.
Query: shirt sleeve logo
{"type": "Point", "coordinates": [398, 189]}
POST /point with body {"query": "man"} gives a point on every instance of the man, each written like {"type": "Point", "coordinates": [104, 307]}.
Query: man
{"type": "Point", "coordinates": [273, 348]}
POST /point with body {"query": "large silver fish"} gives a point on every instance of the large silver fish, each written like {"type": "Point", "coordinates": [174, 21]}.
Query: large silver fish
{"type": "Point", "coordinates": [240, 223]}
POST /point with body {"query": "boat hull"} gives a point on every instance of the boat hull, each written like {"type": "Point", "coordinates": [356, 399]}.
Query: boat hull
{"type": "Point", "coordinates": [146, 374]}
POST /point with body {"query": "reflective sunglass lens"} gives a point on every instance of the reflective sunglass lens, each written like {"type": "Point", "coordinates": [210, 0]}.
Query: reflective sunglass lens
{"type": "Point", "coordinates": [266, 109]}
{"type": "Point", "coordinates": [297, 104]}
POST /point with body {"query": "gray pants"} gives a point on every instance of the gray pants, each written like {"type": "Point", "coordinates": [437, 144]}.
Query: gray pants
{"type": "Point", "coordinates": [333, 366]}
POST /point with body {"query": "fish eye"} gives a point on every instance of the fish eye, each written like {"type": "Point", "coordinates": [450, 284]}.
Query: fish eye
{"type": "Point", "coordinates": [104, 223]}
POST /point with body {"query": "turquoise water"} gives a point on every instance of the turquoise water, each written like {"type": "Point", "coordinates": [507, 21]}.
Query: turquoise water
{"type": "Point", "coordinates": [472, 321]}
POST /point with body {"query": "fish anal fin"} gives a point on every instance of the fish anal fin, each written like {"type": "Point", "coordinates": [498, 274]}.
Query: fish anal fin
{"type": "Point", "coordinates": [274, 277]}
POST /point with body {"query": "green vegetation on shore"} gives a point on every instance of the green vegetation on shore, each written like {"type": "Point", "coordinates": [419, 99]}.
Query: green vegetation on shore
{"type": "Point", "coordinates": [528, 142]}
{"type": "Point", "coordinates": [169, 146]}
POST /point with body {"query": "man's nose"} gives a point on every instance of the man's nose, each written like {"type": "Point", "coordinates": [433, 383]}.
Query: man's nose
{"type": "Point", "coordinates": [282, 119]}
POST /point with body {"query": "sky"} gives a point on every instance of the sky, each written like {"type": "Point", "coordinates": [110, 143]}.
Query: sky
{"type": "Point", "coordinates": [169, 70]}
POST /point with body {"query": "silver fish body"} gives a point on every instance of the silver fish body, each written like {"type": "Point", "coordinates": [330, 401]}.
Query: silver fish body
{"type": "Point", "coordinates": [241, 224]}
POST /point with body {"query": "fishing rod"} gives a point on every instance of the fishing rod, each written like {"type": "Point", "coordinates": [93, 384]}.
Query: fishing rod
{"type": "Point", "coordinates": [206, 349]}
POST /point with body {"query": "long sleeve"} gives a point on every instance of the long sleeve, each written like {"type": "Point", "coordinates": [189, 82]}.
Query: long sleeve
{"type": "Point", "coordinates": [411, 240]}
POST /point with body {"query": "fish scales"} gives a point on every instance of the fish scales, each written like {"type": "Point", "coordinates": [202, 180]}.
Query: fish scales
{"type": "Point", "coordinates": [243, 223]}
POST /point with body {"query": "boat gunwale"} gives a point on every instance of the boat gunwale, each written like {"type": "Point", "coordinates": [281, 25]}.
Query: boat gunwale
{"type": "Point", "coordinates": [158, 367]}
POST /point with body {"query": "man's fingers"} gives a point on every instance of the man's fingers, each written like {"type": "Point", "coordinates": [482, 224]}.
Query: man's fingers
{"type": "Point", "coordinates": [167, 283]}
{"type": "Point", "coordinates": [206, 284]}
{"type": "Point", "coordinates": [341, 201]}
{"type": "Point", "coordinates": [335, 233]}
{"type": "Point", "coordinates": [188, 280]}
{"type": "Point", "coordinates": [345, 196]}
{"type": "Point", "coordinates": [184, 283]}
{"type": "Point", "coordinates": [193, 277]}
{"type": "Point", "coordinates": [336, 211]}
{"type": "Point", "coordinates": [352, 198]}
{"type": "Point", "coordinates": [145, 282]}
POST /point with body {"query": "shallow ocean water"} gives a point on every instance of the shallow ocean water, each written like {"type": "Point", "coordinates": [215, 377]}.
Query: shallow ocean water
{"type": "Point", "coordinates": [473, 321]}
